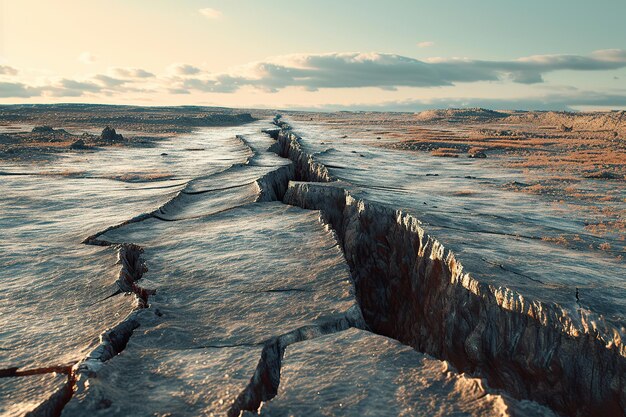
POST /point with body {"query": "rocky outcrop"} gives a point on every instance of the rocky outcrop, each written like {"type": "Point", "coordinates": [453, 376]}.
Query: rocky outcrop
{"type": "Point", "coordinates": [475, 114]}
{"type": "Point", "coordinates": [42, 129]}
{"type": "Point", "coordinates": [78, 145]}
{"type": "Point", "coordinates": [288, 146]}
{"type": "Point", "coordinates": [109, 135]}
{"type": "Point", "coordinates": [272, 186]}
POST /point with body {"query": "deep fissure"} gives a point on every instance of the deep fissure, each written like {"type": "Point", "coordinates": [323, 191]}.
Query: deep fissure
{"type": "Point", "coordinates": [412, 289]}
{"type": "Point", "coordinates": [263, 385]}
{"type": "Point", "coordinates": [112, 342]}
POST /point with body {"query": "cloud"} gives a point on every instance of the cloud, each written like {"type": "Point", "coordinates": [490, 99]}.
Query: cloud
{"type": "Point", "coordinates": [557, 102]}
{"type": "Point", "coordinates": [6, 70]}
{"type": "Point", "coordinates": [18, 90]}
{"type": "Point", "coordinates": [184, 69]}
{"type": "Point", "coordinates": [388, 71]}
{"type": "Point", "coordinates": [87, 58]}
{"type": "Point", "coordinates": [109, 82]}
{"type": "Point", "coordinates": [425, 44]}
{"type": "Point", "coordinates": [132, 73]}
{"type": "Point", "coordinates": [210, 13]}
{"type": "Point", "coordinates": [71, 88]}
{"type": "Point", "coordinates": [312, 72]}
{"type": "Point", "coordinates": [178, 91]}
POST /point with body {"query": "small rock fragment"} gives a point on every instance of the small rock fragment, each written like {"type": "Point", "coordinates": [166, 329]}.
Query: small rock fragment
{"type": "Point", "coordinates": [78, 144]}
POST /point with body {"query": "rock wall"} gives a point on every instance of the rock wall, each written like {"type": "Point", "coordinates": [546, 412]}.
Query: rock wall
{"type": "Point", "coordinates": [411, 288]}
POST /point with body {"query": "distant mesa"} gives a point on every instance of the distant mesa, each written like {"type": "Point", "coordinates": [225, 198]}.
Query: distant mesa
{"type": "Point", "coordinates": [476, 114]}
{"type": "Point", "coordinates": [109, 135]}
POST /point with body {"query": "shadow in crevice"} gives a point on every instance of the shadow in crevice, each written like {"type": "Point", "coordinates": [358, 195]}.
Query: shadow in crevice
{"type": "Point", "coordinates": [412, 289]}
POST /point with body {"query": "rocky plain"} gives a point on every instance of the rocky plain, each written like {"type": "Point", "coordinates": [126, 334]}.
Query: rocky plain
{"type": "Point", "coordinates": [212, 261]}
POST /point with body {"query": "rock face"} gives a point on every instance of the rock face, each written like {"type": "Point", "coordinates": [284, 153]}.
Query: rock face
{"type": "Point", "coordinates": [355, 372]}
{"type": "Point", "coordinates": [413, 289]}
{"type": "Point", "coordinates": [109, 135]}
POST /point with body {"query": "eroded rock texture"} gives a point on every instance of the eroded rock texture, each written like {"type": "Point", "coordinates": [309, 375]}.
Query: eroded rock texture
{"type": "Point", "coordinates": [264, 285]}
{"type": "Point", "coordinates": [411, 288]}
{"type": "Point", "coordinates": [359, 373]}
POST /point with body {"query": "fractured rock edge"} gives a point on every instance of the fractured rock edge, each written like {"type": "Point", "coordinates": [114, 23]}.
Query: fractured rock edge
{"type": "Point", "coordinates": [266, 185]}
{"type": "Point", "coordinates": [263, 385]}
{"type": "Point", "coordinates": [411, 288]}
{"type": "Point", "coordinates": [436, 291]}
{"type": "Point", "coordinates": [270, 187]}
{"type": "Point", "coordinates": [112, 341]}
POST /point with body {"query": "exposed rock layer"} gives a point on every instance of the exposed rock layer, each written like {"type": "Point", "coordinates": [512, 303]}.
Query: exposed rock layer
{"type": "Point", "coordinates": [411, 288]}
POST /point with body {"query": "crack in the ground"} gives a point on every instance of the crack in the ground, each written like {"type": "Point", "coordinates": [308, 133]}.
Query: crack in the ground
{"type": "Point", "coordinates": [442, 310]}
{"type": "Point", "coordinates": [112, 341]}
{"type": "Point", "coordinates": [263, 385]}
{"type": "Point", "coordinates": [531, 349]}
{"type": "Point", "coordinates": [502, 267]}
{"type": "Point", "coordinates": [18, 371]}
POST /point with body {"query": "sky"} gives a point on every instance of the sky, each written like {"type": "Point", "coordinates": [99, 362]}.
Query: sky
{"type": "Point", "coordinates": [326, 55]}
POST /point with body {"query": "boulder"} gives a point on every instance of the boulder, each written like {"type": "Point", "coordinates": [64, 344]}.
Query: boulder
{"type": "Point", "coordinates": [79, 144]}
{"type": "Point", "coordinates": [109, 135]}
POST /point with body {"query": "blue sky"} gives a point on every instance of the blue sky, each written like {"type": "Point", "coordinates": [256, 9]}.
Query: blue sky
{"type": "Point", "coordinates": [325, 54]}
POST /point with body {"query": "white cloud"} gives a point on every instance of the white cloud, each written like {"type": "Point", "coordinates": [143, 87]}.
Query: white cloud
{"type": "Point", "coordinates": [18, 90]}
{"type": "Point", "coordinates": [87, 58]}
{"type": "Point", "coordinates": [184, 69]}
{"type": "Point", "coordinates": [7, 70]}
{"type": "Point", "coordinates": [132, 73]}
{"type": "Point", "coordinates": [210, 13]}
{"type": "Point", "coordinates": [425, 44]}
{"type": "Point", "coordinates": [334, 71]}
{"type": "Point", "coordinates": [389, 71]}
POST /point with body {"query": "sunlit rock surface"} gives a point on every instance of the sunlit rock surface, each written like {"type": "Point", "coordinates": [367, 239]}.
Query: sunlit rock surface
{"type": "Point", "coordinates": [521, 332]}
{"type": "Point", "coordinates": [22, 395]}
{"type": "Point", "coordinates": [224, 286]}
{"type": "Point", "coordinates": [55, 288]}
{"type": "Point", "coordinates": [250, 259]}
{"type": "Point", "coordinates": [359, 373]}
